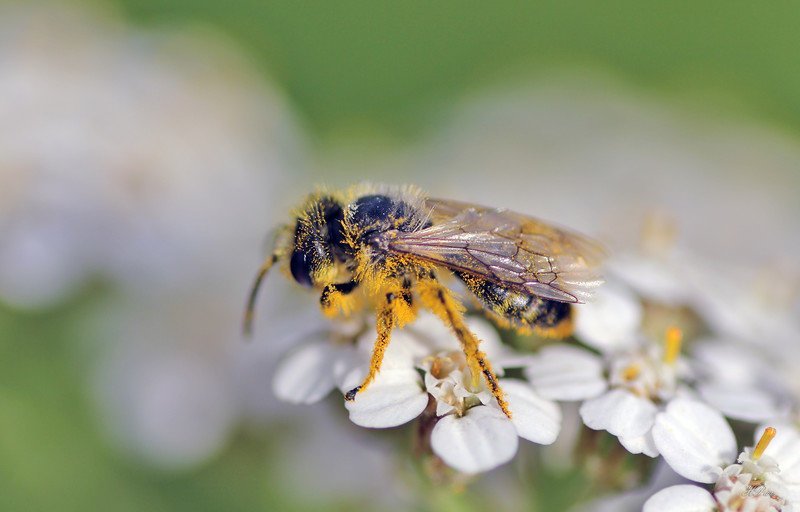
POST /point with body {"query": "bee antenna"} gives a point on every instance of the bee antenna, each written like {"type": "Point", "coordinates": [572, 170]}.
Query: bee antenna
{"type": "Point", "coordinates": [249, 312]}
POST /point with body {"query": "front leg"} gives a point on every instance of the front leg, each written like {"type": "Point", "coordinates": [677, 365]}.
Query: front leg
{"type": "Point", "coordinates": [396, 310]}
{"type": "Point", "coordinates": [338, 298]}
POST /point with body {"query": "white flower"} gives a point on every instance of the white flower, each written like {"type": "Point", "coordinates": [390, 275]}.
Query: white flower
{"type": "Point", "coordinates": [165, 381]}
{"type": "Point", "coordinates": [612, 320]}
{"type": "Point", "coordinates": [642, 381]}
{"type": "Point", "coordinates": [751, 304]}
{"type": "Point", "coordinates": [739, 381]}
{"type": "Point", "coordinates": [762, 479]}
{"type": "Point", "coordinates": [694, 439]}
{"type": "Point", "coordinates": [640, 376]}
{"type": "Point", "coordinates": [471, 434]}
{"type": "Point", "coordinates": [148, 159]}
{"type": "Point", "coordinates": [659, 277]}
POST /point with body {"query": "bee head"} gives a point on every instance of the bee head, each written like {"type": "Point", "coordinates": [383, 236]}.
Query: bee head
{"type": "Point", "coordinates": [318, 242]}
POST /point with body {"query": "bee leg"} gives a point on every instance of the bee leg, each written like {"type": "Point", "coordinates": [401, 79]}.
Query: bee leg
{"type": "Point", "coordinates": [396, 311]}
{"type": "Point", "coordinates": [443, 304]}
{"type": "Point", "coordinates": [336, 298]}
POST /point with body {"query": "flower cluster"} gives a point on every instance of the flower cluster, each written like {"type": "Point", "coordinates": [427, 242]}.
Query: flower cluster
{"type": "Point", "coordinates": [424, 365]}
{"type": "Point", "coordinates": [645, 364]}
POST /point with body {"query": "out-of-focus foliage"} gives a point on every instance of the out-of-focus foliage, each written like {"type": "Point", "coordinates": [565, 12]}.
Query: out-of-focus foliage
{"type": "Point", "coordinates": [388, 64]}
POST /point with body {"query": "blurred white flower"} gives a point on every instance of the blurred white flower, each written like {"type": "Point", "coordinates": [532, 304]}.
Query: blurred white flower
{"type": "Point", "coordinates": [147, 158]}
{"type": "Point", "coordinates": [613, 318]}
{"type": "Point", "coordinates": [739, 381]}
{"type": "Point", "coordinates": [164, 380]}
{"type": "Point", "coordinates": [751, 304]}
{"type": "Point", "coordinates": [642, 379]}
{"type": "Point", "coordinates": [152, 160]}
{"type": "Point", "coordinates": [735, 371]}
{"type": "Point", "coordinates": [763, 479]}
{"type": "Point", "coordinates": [645, 379]}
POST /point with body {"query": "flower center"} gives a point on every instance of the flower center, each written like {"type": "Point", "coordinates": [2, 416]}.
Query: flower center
{"type": "Point", "coordinates": [448, 380]}
{"type": "Point", "coordinates": [651, 373]}
{"type": "Point", "coordinates": [441, 367]}
{"type": "Point", "coordinates": [630, 372]}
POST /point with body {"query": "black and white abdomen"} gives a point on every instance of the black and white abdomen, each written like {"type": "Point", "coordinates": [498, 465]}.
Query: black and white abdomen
{"type": "Point", "coordinates": [521, 310]}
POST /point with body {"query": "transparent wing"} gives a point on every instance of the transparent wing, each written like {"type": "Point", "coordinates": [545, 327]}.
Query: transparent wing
{"type": "Point", "coordinates": [506, 247]}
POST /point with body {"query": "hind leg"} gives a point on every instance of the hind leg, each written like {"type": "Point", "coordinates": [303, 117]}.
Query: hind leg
{"type": "Point", "coordinates": [441, 302]}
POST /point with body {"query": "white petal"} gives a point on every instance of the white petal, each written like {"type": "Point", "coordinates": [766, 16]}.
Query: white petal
{"type": "Point", "coordinates": [728, 363]}
{"type": "Point", "coordinates": [395, 397]}
{"type": "Point", "coordinates": [535, 418]}
{"type": "Point", "coordinates": [642, 444]}
{"type": "Point", "coordinates": [305, 375]}
{"type": "Point", "coordinates": [611, 320]}
{"type": "Point", "coordinates": [694, 439]}
{"type": "Point", "coordinates": [619, 412]}
{"type": "Point", "coordinates": [562, 372]}
{"type": "Point", "coordinates": [482, 439]}
{"type": "Point", "coordinates": [740, 403]}
{"type": "Point", "coordinates": [681, 498]}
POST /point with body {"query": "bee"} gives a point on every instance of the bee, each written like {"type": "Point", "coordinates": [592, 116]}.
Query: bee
{"type": "Point", "coordinates": [392, 249]}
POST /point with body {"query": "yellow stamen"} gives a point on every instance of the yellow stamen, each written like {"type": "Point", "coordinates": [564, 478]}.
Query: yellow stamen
{"type": "Point", "coordinates": [674, 339]}
{"type": "Point", "coordinates": [766, 438]}
{"type": "Point", "coordinates": [631, 372]}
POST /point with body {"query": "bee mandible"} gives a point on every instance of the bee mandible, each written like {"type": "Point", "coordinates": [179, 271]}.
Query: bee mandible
{"type": "Point", "coordinates": [392, 248]}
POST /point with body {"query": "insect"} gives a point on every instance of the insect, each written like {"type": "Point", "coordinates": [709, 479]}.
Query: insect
{"type": "Point", "coordinates": [393, 249]}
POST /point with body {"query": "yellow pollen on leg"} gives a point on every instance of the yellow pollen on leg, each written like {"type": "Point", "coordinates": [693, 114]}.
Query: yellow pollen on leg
{"type": "Point", "coordinates": [766, 438]}
{"type": "Point", "coordinates": [673, 341]}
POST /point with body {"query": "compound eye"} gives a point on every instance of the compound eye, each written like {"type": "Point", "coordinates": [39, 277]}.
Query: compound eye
{"type": "Point", "coordinates": [300, 265]}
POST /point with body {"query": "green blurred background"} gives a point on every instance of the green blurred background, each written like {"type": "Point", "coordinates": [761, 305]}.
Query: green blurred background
{"type": "Point", "coordinates": [387, 66]}
{"type": "Point", "coordinates": [383, 71]}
